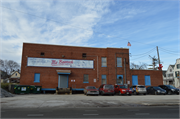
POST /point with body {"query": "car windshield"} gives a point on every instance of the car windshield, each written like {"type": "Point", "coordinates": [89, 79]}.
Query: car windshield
{"type": "Point", "coordinates": [123, 86]}
{"type": "Point", "coordinates": [157, 88]}
{"type": "Point", "coordinates": [141, 86]}
{"type": "Point", "coordinates": [108, 86]}
{"type": "Point", "coordinates": [169, 86]}
{"type": "Point", "coordinates": [91, 87]}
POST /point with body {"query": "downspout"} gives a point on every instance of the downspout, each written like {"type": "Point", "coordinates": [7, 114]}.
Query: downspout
{"type": "Point", "coordinates": [125, 69]}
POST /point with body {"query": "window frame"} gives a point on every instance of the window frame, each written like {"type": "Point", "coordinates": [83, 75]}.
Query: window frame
{"type": "Point", "coordinates": [178, 66]}
{"type": "Point", "coordinates": [103, 79]}
{"type": "Point", "coordinates": [103, 61]}
{"type": "Point", "coordinates": [117, 61]}
{"type": "Point", "coordinates": [119, 79]}
{"type": "Point", "coordinates": [35, 76]}
{"type": "Point", "coordinates": [84, 78]}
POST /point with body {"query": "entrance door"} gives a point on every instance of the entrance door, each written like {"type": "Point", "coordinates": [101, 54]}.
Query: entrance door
{"type": "Point", "coordinates": [63, 81]}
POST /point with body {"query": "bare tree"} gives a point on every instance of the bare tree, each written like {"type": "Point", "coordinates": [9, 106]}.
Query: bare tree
{"type": "Point", "coordinates": [8, 66]}
{"type": "Point", "coordinates": [138, 66]}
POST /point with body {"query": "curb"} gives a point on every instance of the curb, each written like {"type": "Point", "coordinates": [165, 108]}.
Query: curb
{"type": "Point", "coordinates": [160, 104]}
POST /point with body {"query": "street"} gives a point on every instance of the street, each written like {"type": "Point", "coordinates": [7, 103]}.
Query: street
{"type": "Point", "coordinates": [118, 112]}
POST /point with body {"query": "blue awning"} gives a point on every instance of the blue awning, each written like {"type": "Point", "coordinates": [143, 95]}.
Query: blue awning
{"type": "Point", "coordinates": [63, 72]}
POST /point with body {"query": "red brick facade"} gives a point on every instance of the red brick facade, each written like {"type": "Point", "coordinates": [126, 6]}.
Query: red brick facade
{"type": "Point", "coordinates": [49, 76]}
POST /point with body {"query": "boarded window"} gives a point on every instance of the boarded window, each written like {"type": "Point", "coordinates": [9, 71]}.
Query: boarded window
{"type": "Point", "coordinates": [134, 80]}
{"type": "Point", "coordinates": [37, 77]}
{"type": "Point", "coordinates": [147, 81]}
{"type": "Point", "coordinates": [86, 78]}
{"type": "Point", "coordinates": [104, 62]}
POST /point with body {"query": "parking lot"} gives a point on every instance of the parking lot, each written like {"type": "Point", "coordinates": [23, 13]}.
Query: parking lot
{"type": "Point", "coordinates": [80, 100]}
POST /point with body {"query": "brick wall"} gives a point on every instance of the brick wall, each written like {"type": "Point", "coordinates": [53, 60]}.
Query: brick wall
{"type": "Point", "coordinates": [49, 76]}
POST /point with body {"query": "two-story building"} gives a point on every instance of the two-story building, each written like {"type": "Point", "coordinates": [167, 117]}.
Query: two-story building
{"type": "Point", "coordinates": [177, 73]}
{"type": "Point", "coordinates": [169, 78]}
{"type": "Point", "coordinates": [52, 66]}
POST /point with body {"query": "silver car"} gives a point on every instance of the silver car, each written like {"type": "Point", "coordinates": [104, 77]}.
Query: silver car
{"type": "Point", "coordinates": [138, 89]}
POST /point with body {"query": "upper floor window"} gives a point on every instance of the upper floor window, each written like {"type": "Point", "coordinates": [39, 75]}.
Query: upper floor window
{"type": "Point", "coordinates": [119, 62]}
{"type": "Point", "coordinates": [170, 70]}
{"type": "Point", "coordinates": [178, 66]}
{"type": "Point", "coordinates": [103, 61]}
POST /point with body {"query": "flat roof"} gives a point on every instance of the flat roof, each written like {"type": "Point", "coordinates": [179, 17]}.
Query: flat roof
{"type": "Point", "coordinates": [73, 46]}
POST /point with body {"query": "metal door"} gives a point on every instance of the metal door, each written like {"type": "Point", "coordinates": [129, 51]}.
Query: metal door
{"type": "Point", "coordinates": [63, 81]}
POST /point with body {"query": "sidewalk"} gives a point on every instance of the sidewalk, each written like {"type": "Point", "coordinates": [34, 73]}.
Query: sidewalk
{"type": "Point", "coordinates": [80, 100]}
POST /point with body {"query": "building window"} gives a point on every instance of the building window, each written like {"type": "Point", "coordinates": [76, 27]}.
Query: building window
{"type": "Point", "coordinates": [103, 79]}
{"type": "Point", "coordinates": [42, 53]}
{"type": "Point", "coordinates": [37, 77]}
{"type": "Point", "coordinates": [119, 62]}
{"type": "Point", "coordinates": [103, 61]}
{"type": "Point", "coordinates": [170, 75]}
{"type": "Point", "coordinates": [178, 66]}
{"type": "Point", "coordinates": [147, 81]}
{"type": "Point", "coordinates": [16, 74]}
{"type": "Point", "coordinates": [86, 78]}
{"type": "Point", "coordinates": [177, 73]}
{"type": "Point", "coordinates": [119, 79]}
{"type": "Point", "coordinates": [170, 70]}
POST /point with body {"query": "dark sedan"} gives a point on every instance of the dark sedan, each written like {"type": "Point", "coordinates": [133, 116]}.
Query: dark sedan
{"type": "Point", "coordinates": [155, 90]}
{"type": "Point", "coordinates": [170, 89]}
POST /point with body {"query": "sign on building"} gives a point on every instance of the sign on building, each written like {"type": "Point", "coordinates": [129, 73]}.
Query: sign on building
{"type": "Point", "coordinates": [64, 63]}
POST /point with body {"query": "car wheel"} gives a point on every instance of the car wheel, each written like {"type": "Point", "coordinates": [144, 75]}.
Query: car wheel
{"type": "Point", "coordinates": [120, 93]}
{"type": "Point", "coordinates": [135, 93]}
{"type": "Point", "coordinates": [169, 93]}
{"type": "Point", "coordinates": [129, 94]}
{"type": "Point", "coordinates": [144, 93]}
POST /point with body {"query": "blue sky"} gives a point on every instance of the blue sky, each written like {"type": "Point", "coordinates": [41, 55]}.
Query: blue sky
{"type": "Point", "coordinates": [93, 23]}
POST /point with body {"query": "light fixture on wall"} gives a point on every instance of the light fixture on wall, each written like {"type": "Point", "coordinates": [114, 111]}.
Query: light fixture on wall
{"type": "Point", "coordinates": [63, 56]}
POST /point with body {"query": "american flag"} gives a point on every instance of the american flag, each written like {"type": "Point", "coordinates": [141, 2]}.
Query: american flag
{"type": "Point", "coordinates": [129, 44]}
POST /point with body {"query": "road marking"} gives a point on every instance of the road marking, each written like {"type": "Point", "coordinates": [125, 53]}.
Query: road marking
{"type": "Point", "coordinates": [133, 110]}
{"type": "Point", "coordinates": [141, 113]}
{"type": "Point", "coordinates": [90, 114]}
{"type": "Point", "coordinates": [90, 110]}
{"type": "Point", "coordinates": [35, 115]}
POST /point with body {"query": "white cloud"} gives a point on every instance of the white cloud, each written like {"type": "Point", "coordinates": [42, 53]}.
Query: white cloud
{"type": "Point", "coordinates": [49, 22]}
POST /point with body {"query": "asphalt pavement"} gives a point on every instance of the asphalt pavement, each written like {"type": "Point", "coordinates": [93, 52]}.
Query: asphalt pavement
{"type": "Point", "coordinates": [110, 112]}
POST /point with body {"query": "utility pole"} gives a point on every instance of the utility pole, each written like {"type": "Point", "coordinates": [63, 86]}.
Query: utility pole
{"type": "Point", "coordinates": [158, 54]}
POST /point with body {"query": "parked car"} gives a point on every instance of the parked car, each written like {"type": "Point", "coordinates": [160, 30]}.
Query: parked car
{"type": "Point", "coordinates": [91, 90]}
{"type": "Point", "coordinates": [170, 89]}
{"type": "Point", "coordinates": [106, 89]}
{"type": "Point", "coordinates": [155, 90]}
{"type": "Point", "coordinates": [138, 89]}
{"type": "Point", "coordinates": [122, 90]}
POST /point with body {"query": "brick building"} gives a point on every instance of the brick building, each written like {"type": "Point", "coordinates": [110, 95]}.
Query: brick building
{"type": "Point", "coordinates": [52, 66]}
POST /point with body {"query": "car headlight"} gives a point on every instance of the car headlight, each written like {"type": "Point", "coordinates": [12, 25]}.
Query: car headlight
{"type": "Point", "coordinates": [158, 91]}
{"type": "Point", "coordinates": [130, 90]}
{"type": "Point", "coordinates": [123, 90]}
{"type": "Point", "coordinates": [172, 89]}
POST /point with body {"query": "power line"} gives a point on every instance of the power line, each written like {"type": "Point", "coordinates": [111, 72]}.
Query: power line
{"type": "Point", "coordinates": [145, 52]}
{"type": "Point", "coordinates": [167, 50]}
{"type": "Point", "coordinates": [170, 53]}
